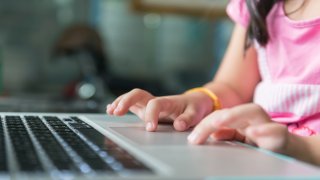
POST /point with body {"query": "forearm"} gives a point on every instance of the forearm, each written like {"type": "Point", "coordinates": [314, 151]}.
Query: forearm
{"type": "Point", "coordinates": [236, 79]}
{"type": "Point", "coordinates": [227, 96]}
{"type": "Point", "coordinates": [304, 148]}
{"type": "Point", "coordinates": [238, 75]}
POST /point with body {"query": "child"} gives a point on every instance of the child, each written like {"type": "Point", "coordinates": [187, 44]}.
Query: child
{"type": "Point", "coordinates": [266, 91]}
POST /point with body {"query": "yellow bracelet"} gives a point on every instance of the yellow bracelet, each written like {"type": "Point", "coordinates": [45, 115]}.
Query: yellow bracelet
{"type": "Point", "coordinates": [214, 98]}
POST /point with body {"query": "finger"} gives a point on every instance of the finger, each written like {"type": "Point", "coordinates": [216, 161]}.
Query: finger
{"type": "Point", "coordinates": [153, 110]}
{"type": "Point", "coordinates": [183, 122]}
{"type": "Point", "coordinates": [227, 134]}
{"type": "Point", "coordinates": [187, 119]}
{"type": "Point", "coordinates": [132, 98]}
{"type": "Point", "coordinates": [122, 105]}
{"type": "Point", "coordinates": [240, 117]}
{"type": "Point", "coordinates": [226, 118]}
{"type": "Point", "coordinates": [111, 107]}
{"type": "Point", "coordinates": [205, 128]}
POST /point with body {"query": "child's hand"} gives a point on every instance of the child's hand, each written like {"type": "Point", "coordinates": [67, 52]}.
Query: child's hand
{"type": "Point", "coordinates": [246, 123]}
{"type": "Point", "coordinates": [184, 112]}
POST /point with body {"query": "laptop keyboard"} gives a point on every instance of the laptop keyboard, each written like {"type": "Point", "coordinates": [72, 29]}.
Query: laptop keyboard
{"type": "Point", "coordinates": [68, 145]}
{"type": "Point", "coordinates": [3, 155]}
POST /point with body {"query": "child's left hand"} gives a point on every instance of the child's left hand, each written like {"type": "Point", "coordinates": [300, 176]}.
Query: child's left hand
{"type": "Point", "coordinates": [245, 123]}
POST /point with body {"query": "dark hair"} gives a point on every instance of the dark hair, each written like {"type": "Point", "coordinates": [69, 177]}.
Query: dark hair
{"type": "Point", "coordinates": [257, 30]}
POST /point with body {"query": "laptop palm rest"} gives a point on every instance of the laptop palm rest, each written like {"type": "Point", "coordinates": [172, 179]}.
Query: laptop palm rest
{"type": "Point", "coordinates": [165, 135]}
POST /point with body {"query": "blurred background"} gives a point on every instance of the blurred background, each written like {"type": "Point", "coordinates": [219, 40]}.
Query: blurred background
{"type": "Point", "coordinates": [78, 55]}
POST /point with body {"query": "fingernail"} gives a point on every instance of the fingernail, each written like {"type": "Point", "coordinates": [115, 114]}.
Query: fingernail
{"type": "Point", "coordinates": [118, 109]}
{"type": "Point", "coordinates": [112, 105]}
{"type": "Point", "coordinates": [193, 137]}
{"type": "Point", "coordinates": [149, 126]}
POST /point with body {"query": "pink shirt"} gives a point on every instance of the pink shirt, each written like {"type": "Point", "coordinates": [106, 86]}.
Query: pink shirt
{"type": "Point", "coordinates": [290, 68]}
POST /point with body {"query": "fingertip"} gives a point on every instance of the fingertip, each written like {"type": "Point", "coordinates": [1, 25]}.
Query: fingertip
{"type": "Point", "coordinates": [180, 125]}
{"type": "Point", "coordinates": [108, 109]}
{"type": "Point", "coordinates": [111, 108]}
{"type": "Point", "coordinates": [112, 105]}
{"type": "Point", "coordinates": [150, 127]}
{"type": "Point", "coordinates": [119, 110]}
{"type": "Point", "coordinates": [194, 138]}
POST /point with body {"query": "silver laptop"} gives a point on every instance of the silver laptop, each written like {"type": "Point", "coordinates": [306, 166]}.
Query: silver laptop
{"type": "Point", "coordinates": [75, 146]}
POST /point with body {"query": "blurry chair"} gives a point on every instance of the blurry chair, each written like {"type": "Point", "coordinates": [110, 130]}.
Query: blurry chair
{"type": "Point", "coordinates": [83, 43]}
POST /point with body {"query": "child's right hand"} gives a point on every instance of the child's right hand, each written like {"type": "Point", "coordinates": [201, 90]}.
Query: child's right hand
{"type": "Point", "coordinates": [183, 111]}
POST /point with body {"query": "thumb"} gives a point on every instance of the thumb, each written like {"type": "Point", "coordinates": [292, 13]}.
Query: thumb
{"type": "Point", "coordinates": [187, 119]}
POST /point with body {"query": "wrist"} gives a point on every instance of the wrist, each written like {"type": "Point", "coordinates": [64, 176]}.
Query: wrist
{"type": "Point", "coordinates": [299, 148]}
{"type": "Point", "coordinates": [202, 103]}
{"type": "Point", "coordinates": [215, 102]}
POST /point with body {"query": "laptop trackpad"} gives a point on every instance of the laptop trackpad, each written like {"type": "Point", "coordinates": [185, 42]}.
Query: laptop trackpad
{"type": "Point", "coordinates": [165, 135]}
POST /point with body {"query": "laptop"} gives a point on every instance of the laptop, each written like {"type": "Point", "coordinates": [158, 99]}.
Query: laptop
{"type": "Point", "coordinates": [98, 146]}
